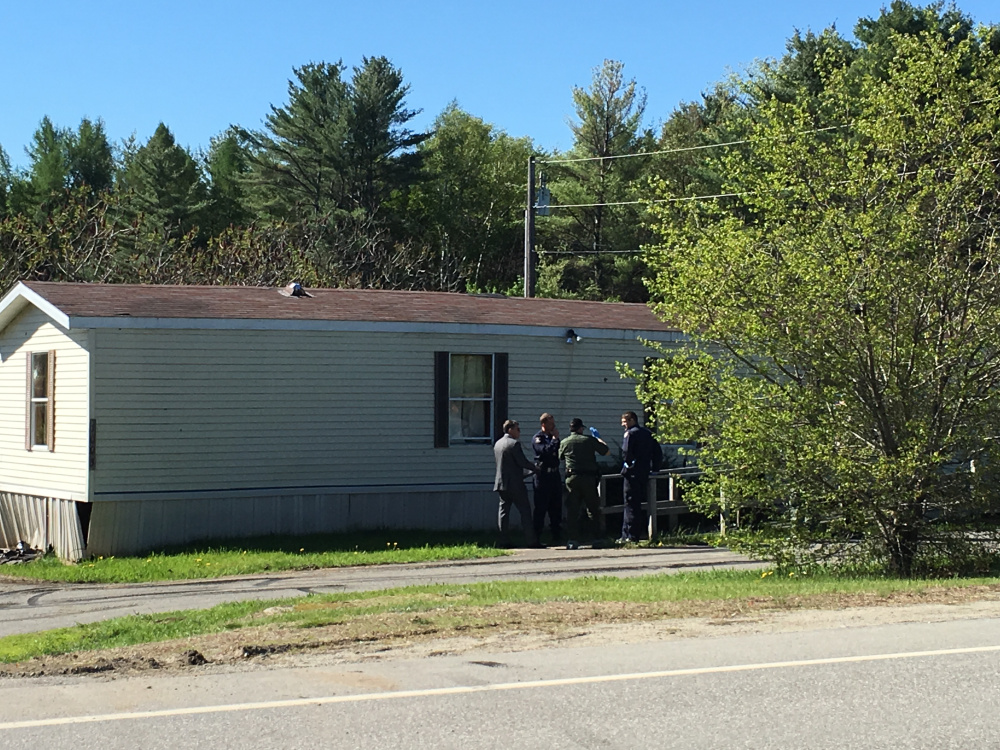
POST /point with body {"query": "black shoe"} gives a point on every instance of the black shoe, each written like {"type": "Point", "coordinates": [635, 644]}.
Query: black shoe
{"type": "Point", "coordinates": [535, 545]}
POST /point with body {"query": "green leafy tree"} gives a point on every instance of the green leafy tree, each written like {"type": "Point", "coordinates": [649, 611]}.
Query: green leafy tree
{"type": "Point", "coordinates": [593, 247]}
{"type": "Point", "coordinates": [843, 376]}
{"type": "Point", "coordinates": [469, 206]}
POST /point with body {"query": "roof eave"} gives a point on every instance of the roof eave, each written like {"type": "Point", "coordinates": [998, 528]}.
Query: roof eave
{"type": "Point", "coordinates": [20, 297]}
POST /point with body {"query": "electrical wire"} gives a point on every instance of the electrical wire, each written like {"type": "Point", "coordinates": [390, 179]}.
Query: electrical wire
{"type": "Point", "coordinates": [636, 203]}
{"type": "Point", "coordinates": [675, 150]}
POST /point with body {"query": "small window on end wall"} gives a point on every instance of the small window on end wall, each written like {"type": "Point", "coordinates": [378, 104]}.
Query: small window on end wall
{"type": "Point", "coordinates": [39, 421]}
{"type": "Point", "coordinates": [470, 397]}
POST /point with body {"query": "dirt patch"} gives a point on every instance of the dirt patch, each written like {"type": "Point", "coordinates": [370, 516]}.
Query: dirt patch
{"type": "Point", "coordinates": [512, 627]}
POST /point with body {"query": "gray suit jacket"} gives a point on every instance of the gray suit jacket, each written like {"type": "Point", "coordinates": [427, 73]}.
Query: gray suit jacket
{"type": "Point", "coordinates": [511, 464]}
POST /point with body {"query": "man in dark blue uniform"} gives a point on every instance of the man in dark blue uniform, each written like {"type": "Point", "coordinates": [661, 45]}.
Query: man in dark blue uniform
{"type": "Point", "coordinates": [548, 483]}
{"type": "Point", "coordinates": [637, 450]}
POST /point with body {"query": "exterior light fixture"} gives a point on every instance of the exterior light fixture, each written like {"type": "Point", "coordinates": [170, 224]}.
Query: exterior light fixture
{"type": "Point", "coordinates": [572, 337]}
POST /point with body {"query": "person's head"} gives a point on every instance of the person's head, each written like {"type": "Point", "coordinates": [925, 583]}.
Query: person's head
{"type": "Point", "coordinates": [576, 425]}
{"type": "Point", "coordinates": [629, 420]}
{"type": "Point", "coordinates": [512, 427]}
{"type": "Point", "coordinates": [548, 423]}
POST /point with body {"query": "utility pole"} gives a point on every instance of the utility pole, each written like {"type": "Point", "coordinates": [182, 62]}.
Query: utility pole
{"type": "Point", "coordinates": [529, 233]}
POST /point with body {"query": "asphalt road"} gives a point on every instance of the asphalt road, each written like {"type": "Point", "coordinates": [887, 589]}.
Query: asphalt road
{"type": "Point", "coordinates": [899, 686]}
{"type": "Point", "coordinates": [29, 607]}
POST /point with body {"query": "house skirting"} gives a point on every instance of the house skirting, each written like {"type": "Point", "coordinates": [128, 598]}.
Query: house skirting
{"type": "Point", "coordinates": [130, 526]}
{"type": "Point", "coordinates": [41, 522]}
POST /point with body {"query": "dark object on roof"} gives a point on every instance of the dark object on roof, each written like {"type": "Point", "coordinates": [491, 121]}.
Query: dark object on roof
{"type": "Point", "coordinates": [294, 289]}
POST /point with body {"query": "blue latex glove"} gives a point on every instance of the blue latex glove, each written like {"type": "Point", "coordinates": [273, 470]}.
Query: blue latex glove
{"type": "Point", "coordinates": [594, 432]}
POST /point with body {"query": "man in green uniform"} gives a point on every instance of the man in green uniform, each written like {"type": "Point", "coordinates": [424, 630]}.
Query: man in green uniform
{"type": "Point", "coordinates": [579, 451]}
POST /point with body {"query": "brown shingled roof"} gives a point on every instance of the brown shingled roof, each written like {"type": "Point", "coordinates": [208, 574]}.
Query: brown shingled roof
{"type": "Point", "coordinates": [255, 303]}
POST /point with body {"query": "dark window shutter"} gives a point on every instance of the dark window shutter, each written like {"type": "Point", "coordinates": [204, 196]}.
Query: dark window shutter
{"type": "Point", "coordinates": [500, 388]}
{"type": "Point", "coordinates": [50, 411]}
{"type": "Point", "coordinates": [441, 375]}
{"type": "Point", "coordinates": [27, 408]}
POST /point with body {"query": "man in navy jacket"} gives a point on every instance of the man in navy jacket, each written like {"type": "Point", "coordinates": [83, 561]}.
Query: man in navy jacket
{"type": "Point", "coordinates": [637, 451]}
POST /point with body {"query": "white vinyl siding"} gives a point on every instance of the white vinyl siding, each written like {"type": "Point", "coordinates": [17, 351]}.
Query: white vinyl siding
{"type": "Point", "coordinates": [61, 473]}
{"type": "Point", "coordinates": [192, 410]}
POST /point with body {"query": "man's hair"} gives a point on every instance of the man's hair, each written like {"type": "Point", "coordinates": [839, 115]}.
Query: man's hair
{"type": "Point", "coordinates": [545, 416]}
{"type": "Point", "coordinates": [510, 424]}
{"type": "Point", "coordinates": [630, 416]}
{"type": "Point", "coordinates": [576, 424]}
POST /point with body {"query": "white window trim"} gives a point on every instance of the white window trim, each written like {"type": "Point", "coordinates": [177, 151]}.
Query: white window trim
{"type": "Point", "coordinates": [491, 400]}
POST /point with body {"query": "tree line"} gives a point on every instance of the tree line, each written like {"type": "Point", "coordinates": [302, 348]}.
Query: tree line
{"type": "Point", "coordinates": [337, 189]}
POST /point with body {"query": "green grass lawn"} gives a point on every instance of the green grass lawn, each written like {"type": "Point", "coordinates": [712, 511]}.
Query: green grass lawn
{"type": "Point", "coordinates": [269, 554]}
{"type": "Point", "coordinates": [458, 607]}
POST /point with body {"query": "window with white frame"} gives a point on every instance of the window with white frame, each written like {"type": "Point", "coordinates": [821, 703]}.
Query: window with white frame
{"type": "Point", "coordinates": [470, 398]}
{"type": "Point", "coordinates": [40, 432]}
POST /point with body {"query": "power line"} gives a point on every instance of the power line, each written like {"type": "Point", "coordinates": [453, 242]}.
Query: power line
{"type": "Point", "coordinates": [684, 199]}
{"type": "Point", "coordinates": [576, 253]}
{"type": "Point", "coordinates": [676, 150]}
{"type": "Point", "coordinates": [655, 200]}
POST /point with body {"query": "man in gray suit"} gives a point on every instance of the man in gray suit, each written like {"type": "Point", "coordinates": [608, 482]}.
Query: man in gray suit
{"type": "Point", "coordinates": [512, 468]}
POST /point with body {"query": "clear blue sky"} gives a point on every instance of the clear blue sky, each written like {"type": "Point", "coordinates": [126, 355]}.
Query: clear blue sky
{"type": "Point", "coordinates": [201, 66]}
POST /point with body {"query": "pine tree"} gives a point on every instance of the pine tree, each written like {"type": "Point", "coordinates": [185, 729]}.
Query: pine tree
{"type": "Point", "coordinates": [227, 164]}
{"type": "Point", "coordinates": [89, 158]}
{"type": "Point", "coordinates": [596, 244]}
{"type": "Point", "coordinates": [298, 166]}
{"type": "Point", "coordinates": [165, 185]}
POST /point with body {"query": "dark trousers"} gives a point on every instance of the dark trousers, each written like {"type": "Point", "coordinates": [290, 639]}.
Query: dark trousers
{"type": "Point", "coordinates": [634, 520]}
{"type": "Point", "coordinates": [582, 501]}
{"type": "Point", "coordinates": [548, 501]}
{"type": "Point", "coordinates": [517, 497]}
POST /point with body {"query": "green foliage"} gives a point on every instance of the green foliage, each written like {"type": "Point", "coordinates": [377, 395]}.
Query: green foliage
{"type": "Point", "coordinates": [166, 193]}
{"type": "Point", "coordinates": [90, 161]}
{"type": "Point", "coordinates": [843, 374]}
{"type": "Point", "coordinates": [227, 164]}
{"type": "Point", "coordinates": [298, 166]}
{"type": "Point", "coordinates": [339, 156]}
{"type": "Point", "coordinates": [380, 148]}
{"type": "Point", "coordinates": [468, 208]}
{"type": "Point", "coordinates": [592, 251]}
{"type": "Point", "coordinates": [6, 181]}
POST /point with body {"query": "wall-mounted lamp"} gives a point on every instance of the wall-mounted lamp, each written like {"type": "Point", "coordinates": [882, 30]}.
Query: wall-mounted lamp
{"type": "Point", "coordinates": [572, 337]}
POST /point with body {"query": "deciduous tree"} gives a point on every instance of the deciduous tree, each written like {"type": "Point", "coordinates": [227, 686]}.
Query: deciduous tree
{"type": "Point", "coordinates": [843, 375]}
